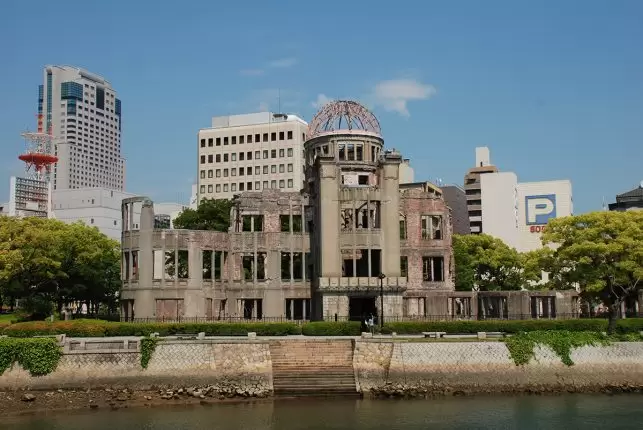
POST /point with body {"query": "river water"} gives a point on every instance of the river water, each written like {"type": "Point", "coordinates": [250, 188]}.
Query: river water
{"type": "Point", "coordinates": [491, 412]}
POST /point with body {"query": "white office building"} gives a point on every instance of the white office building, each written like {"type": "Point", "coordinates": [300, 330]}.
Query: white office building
{"type": "Point", "coordinates": [250, 152]}
{"type": "Point", "coordinates": [101, 208]}
{"type": "Point", "coordinates": [81, 110]}
{"type": "Point", "coordinates": [517, 212]}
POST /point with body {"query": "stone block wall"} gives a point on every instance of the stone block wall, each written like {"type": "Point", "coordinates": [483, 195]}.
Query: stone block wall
{"type": "Point", "coordinates": [243, 366]}
{"type": "Point", "coordinates": [488, 367]}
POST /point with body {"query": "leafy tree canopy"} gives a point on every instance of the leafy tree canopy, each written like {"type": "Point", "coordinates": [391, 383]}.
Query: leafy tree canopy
{"type": "Point", "coordinates": [46, 263]}
{"type": "Point", "coordinates": [601, 253]}
{"type": "Point", "coordinates": [490, 264]}
{"type": "Point", "coordinates": [211, 214]}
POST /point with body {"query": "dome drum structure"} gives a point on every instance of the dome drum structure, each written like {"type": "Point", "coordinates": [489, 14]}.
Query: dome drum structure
{"type": "Point", "coordinates": [349, 134]}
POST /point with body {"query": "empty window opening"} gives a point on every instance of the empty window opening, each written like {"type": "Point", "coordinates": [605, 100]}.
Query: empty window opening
{"type": "Point", "coordinates": [297, 309]}
{"type": "Point", "coordinates": [358, 265]}
{"type": "Point", "coordinates": [431, 227]}
{"type": "Point", "coordinates": [252, 223]}
{"type": "Point", "coordinates": [254, 270]}
{"type": "Point", "coordinates": [250, 309]}
{"type": "Point", "coordinates": [433, 269]}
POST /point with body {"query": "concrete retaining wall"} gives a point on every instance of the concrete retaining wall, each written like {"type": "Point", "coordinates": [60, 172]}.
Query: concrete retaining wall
{"type": "Point", "coordinates": [243, 366]}
{"type": "Point", "coordinates": [487, 366]}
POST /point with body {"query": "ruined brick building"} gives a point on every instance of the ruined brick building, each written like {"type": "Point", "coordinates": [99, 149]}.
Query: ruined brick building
{"type": "Point", "coordinates": [352, 243]}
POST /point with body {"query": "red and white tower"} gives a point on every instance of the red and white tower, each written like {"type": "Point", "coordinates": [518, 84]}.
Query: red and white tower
{"type": "Point", "coordinates": [39, 155]}
{"type": "Point", "coordinates": [31, 195]}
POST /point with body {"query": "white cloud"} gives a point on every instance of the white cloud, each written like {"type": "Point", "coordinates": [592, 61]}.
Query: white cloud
{"type": "Point", "coordinates": [252, 72]}
{"type": "Point", "coordinates": [393, 95]}
{"type": "Point", "coordinates": [283, 63]}
{"type": "Point", "coordinates": [322, 99]}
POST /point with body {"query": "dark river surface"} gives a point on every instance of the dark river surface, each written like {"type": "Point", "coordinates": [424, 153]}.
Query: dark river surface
{"type": "Point", "coordinates": [566, 412]}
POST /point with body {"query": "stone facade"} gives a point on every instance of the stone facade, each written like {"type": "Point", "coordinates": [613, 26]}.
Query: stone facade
{"type": "Point", "coordinates": [350, 243]}
{"type": "Point", "coordinates": [353, 243]}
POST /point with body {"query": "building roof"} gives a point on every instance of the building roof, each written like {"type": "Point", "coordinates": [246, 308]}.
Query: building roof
{"type": "Point", "coordinates": [636, 193]}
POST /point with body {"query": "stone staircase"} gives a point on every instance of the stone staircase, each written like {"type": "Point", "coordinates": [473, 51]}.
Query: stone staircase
{"type": "Point", "coordinates": [313, 368]}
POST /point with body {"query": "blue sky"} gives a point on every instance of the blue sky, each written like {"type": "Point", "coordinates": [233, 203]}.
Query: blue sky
{"type": "Point", "coordinates": [554, 88]}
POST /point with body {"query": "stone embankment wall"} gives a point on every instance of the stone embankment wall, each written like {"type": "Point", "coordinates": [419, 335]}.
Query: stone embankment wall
{"type": "Point", "coordinates": [416, 368]}
{"type": "Point", "coordinates": [243, 367]}
{"type": "Point", "coordinates": [240, 368]}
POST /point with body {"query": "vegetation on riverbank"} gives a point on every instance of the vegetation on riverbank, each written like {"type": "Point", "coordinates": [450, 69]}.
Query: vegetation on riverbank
{"type": "Point", "coordinates": [97, 328]}
{"type": "Point", "coordinates": [522, 346]}
{"type": "Point", "coordinates": [629, 325]}
{"type": "Point", "coordinates": [39, 356]}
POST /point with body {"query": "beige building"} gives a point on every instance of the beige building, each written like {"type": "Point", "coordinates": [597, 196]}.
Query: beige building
{"type": "Point", "coordinates": [351, 244]}
{"type": "Point", "coordinates": [473, 188]}
{"type": "Point", "coordinates": [250, 152]}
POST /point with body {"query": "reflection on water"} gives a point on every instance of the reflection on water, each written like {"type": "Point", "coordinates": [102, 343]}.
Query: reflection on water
{"type": "Point", "coordinates": [493, 412]}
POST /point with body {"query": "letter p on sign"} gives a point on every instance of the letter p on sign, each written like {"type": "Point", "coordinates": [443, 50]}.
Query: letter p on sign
{"type": "Point", "coordinates": [539, 209]}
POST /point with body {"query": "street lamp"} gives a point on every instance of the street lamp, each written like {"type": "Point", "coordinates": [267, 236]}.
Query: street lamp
{"type": "Point", "coordinates": [381, 277]}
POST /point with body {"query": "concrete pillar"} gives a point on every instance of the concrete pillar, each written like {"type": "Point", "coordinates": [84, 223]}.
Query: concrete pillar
{"type": "Point", "coordinates": [195, 263]}
{"type": "Point", "coordinates": [389, 211]}
{"type": "Point", "coordinates": [328, 221]}
{"type": "Point", "coordinates": [145, 253]}
{"type": "Point", "coordinates": [303, 240]}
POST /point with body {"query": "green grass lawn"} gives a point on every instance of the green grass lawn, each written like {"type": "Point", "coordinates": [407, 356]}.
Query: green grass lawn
{"type": "Point", "coordinates": [6, 317]}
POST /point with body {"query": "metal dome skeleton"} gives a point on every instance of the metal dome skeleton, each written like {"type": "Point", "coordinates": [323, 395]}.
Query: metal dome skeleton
{"type": "Point", "coordinates": [341, 115]}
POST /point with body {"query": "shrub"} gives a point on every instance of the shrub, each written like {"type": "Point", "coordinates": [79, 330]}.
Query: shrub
{"type": "Point", "coordinates": [629, 325]}
{"type": "Point", "coordinates": [96, 328]}
{"type": "Point", "coordinates": [37, 356]}
{"type": "Point", "coordinates": [327, 328]}
{"type": "Point", "coordinates": [506, 326]}
{"type": "Point", "coordinates": [562, 342]}
{"type": "Point", "coordinates": [75, 328]}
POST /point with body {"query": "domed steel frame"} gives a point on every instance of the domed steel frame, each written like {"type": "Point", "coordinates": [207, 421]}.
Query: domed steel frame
{"type": "Point", "coordinates": [343, 115]}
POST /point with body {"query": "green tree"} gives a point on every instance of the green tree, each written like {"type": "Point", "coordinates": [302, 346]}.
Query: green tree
{"type": "Point", "coordinates": [91, 264]}
{"type": "Point", "coordinates": [489, 263]}
{"type": "Point", "coordinates": [211, 214]}
{"type": "Point", "coordinates": [46, 263]}
{"type": "Point", "coordinates": [601, 253]}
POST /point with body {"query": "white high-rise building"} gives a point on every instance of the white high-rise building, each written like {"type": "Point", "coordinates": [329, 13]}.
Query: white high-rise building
{"type": "Point", "coordinates": [518, 212]}
{"type": "Point", "coordinates": [250, 152]}
{"type": "Point", "coordinates": [101, 208]}
{"type": "Point", "coordinates": [81, 110]}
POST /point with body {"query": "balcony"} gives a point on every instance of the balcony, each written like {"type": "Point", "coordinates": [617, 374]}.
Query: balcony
{"type": "Point", "coordinates": [369, 285]}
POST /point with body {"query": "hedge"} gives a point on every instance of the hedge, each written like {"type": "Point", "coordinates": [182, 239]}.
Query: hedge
{"type": "Point", "coordinates": [210, 329]}
{"type": "Point", "coordinates": [629, 325]}
{"type": "Point", "coordinates": [324, 328]}
{"type": "Point", "coordinates": [96, 328]}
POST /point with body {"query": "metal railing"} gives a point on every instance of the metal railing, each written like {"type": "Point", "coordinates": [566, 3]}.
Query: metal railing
{"type": "Point", "coordinates": [203, 320]}
{"type": "Point", "coordinates": [387, 319]}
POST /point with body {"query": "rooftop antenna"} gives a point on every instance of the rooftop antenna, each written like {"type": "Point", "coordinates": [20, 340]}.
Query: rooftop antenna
{"type": "Point", "coordinates": [279, 100]}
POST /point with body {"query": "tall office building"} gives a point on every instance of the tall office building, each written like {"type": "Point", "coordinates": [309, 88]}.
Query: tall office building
{"type": "Point", "coordinates": [473, 188]}
{"type": "Point", "coordinates": [81, 110]}
{"type": "Point", "coordinates": [250, 152]}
